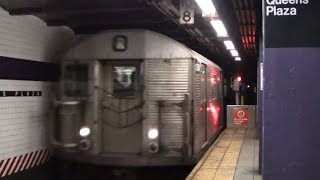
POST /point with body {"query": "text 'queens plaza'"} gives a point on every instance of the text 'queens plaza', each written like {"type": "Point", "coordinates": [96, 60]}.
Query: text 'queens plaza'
{"type": "Point", "coordinates": [283, 7]}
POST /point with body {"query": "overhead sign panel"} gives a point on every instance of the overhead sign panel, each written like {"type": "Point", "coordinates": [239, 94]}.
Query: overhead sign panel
{"type": "Point", "coordinates": [186, 12]}
{"type": "Point", "coordinates": [300, 18]}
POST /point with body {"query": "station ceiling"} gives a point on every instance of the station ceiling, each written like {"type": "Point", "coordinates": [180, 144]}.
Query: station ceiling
{"type": "Point", "coordinates": [239, 16]}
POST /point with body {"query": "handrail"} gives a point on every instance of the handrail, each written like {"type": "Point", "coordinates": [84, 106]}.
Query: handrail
{"type": "Point", "coordinates": [67, 103]}
{"type": "Point", "coordinates": [68, 145]}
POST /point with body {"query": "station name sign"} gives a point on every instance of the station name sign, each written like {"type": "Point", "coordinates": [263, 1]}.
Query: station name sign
{"type": "Point", "coordinates": [284, 7]}
{"type": "Point", "coordinates": [20, 93]}
{"type": "Point", "coordinates": [291, 23]}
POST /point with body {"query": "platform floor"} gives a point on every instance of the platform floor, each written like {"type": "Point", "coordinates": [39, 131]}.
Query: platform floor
{"type": "Point", "coordinates": [234, 156]}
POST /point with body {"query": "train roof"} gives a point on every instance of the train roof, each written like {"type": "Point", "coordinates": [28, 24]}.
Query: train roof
{"type": "Point", "coordinates": [141, 44]}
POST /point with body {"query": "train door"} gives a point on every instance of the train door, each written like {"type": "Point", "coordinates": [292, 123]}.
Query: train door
{"type": "Point", "coordinates": [122, 107]}
{"type": "Point", "coordinates": [200, 122]}
{"type": "Point", "coordinates": [213, 103]}
{"type": "Point", "coordinates": [70, 110]}
{"type": "Point", "coordinates": [204, 98]}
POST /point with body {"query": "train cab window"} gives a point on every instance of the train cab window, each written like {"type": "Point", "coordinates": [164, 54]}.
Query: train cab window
{"type": "Point", "coordinates": [76, 80]}
{"type": "Point", "coordinates": [124, 80]}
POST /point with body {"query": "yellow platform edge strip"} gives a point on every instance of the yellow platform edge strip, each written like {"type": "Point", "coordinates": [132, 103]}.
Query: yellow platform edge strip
{"type": "Point", "coordinates": [226, 167]}
{"type": "Point", "coordinates": [206, 155]}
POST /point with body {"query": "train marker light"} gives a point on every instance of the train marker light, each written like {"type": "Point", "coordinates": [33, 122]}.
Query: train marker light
{"type": "Point", "coordinates": [84, 131]}
{"type": "Point", "coordinates": [229, 44]}
{"type": "Point", "coordinates": [219, 28]}
{"type": "Point", "coordinates": [237, 59]}
{"type": "Point", "coordinates": [213, 80]}
{"type": "Point", "coordinates": [207, 7]}
{"type": "Point", "coordinates": [153, 133]}
{"type": "Point", "coordinates": [234, 52]}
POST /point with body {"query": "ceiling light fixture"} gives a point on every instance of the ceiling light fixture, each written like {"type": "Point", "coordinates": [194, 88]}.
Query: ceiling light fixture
{"type": "Point", "coordinates": [234, 52]}
{"type": "Point", "coordinates": [207, 7]}
{"type": "Point", "coordinates": [209, 11]}
{"type": "Point", "coordinates": [219, 28]}
{"type": "Point", "coordinates": [237, 59]}
{"type": "Point", "coordinates": [229, 44]}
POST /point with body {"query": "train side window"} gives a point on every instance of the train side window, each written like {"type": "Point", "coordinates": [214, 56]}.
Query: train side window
{"type": "Point", "coordinates": [215, 87]}
{"type": "Point", "coordinates": [76, 80]}
{"type": "Point", "coordinates": [124, 80]}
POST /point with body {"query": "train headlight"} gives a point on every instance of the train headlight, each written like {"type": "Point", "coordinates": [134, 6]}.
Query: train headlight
{"type": "Point", "coordinates": [153, 133]}
{"type": "Point", "coordinates": [84, 131]}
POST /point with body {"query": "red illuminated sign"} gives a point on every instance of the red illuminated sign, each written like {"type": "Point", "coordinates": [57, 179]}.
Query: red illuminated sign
{"type": "Point", "coordinates": [240, 116]}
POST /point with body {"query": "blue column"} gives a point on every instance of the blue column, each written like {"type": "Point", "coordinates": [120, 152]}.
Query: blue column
{"type": "Point", "coordinates": [259, 103]}
{"type": "Point", "coordinates": [291, 95]}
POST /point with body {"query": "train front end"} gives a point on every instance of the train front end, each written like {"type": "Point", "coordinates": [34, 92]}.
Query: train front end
{"type": "Point", "coordinates": [101, 112]}
{"type": "Point", "coordinates": [124, 103]}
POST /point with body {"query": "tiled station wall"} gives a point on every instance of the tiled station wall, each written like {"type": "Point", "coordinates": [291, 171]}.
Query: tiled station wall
{"type": "Point", "coordinates": [29, 53]}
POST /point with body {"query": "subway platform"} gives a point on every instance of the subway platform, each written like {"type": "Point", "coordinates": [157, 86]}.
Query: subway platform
{"type": "Point", "coordinates": [234, 156]}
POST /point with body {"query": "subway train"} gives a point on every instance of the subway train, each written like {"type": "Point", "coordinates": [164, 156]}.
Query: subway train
{"type": "Point", "coordinates": [136, 98]}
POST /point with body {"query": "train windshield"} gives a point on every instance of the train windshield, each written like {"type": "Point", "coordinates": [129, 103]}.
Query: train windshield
{"type": "Point", "coordinates": [124, 80]}
{"type": "Point", "coordinates": [76, 80]}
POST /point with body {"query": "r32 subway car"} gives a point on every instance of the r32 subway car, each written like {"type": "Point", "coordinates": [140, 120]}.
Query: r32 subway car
{"type": "Point", "coordinates": [136, 98]}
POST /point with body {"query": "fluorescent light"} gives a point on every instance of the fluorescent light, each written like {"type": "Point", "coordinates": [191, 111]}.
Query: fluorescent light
{"type": "Point", "coordinates": [237, 59]}
{"type": "Point", "coordinates": [219, 27]}
{"type": "Point", "coordinates": [234, 52]}
{"type": "Point", "coordinates": [229, 45]}
{"type": "Point", "coordinates": [207, 7]}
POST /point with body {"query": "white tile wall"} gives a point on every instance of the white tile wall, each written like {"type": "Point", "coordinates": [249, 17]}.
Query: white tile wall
{"type": "Point", "coordinates": [27, 37]}
{"type": "Point", "coordinates": [24, 120]}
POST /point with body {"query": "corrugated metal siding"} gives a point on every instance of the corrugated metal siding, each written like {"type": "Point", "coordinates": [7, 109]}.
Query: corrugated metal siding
{"type": "Point", "coordinates": [221, 95]}
{"type": "Point", "coordinates": [210, 90]}
{"type": "Point", "coordinates": [219, 101]}
{"type": "Point", "coordinates": [166, 81]}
